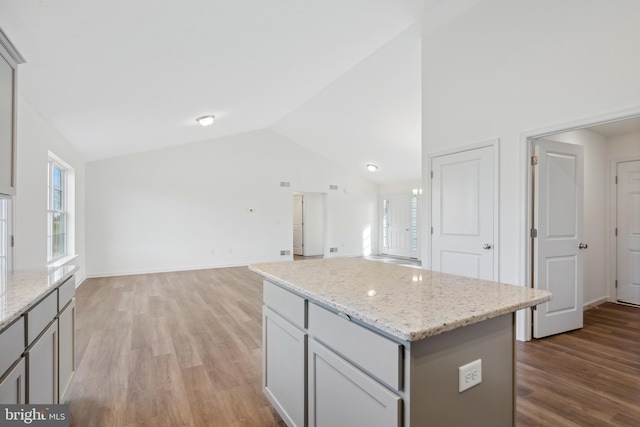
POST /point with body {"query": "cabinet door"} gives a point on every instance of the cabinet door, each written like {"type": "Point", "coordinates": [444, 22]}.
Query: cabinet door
{"type": "Point", "coordinates": [12, 387]}
{"type": "Point", "coordinates": [340, 395]}
{"type": "Point", "coordinates": [284, 367]}
{"type": "Point", "coordinates": [42, 367]}
{"type": "Point", "coordinates": [7, 130]}
{"type": "Point", "coordinates": [66, 348]}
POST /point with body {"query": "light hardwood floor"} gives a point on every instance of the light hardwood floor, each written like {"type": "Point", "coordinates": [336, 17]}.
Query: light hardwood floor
{"type": "Point", "coordinates": [184, 349]}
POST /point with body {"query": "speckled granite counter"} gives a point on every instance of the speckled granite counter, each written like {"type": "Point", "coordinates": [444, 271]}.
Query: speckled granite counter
{"type": "Point", "coordinates": [21, 289]}
{"type": "Point", "coordinates": [407, 303]}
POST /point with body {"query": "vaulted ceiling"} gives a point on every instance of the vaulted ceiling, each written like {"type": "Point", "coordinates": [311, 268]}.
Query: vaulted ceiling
{"type": "Point", "coordinates": [340, 77]}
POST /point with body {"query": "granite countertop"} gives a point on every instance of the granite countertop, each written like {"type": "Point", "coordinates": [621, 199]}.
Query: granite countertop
{"type": "Point", "coordinates": [407, 303]}
{"type": "Point", "coordinates": [22, 289]}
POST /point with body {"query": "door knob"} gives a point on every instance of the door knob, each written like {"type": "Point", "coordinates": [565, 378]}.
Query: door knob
{"type": "Point", "coordinates": [583, 246]}
{"type": "Point", "coordinates": [486, 246]}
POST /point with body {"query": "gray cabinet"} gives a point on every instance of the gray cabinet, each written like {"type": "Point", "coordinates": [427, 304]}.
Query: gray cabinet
{"type": "Point", "coordinates": [284, 374]}
{"type": "Point", "coordinates": [13, 385]}
{"type": "Point", "coordinates": [336, 378]}
{"type": "Point", "coordinates": [341, 395]}
{"type": "Point", "coordinates": [37, 351]}
{"type": "Point", "coordinates": [9, 60]}
{"type": "Point", "coordinates": [42, 367]}
{"type": "Point", "coordinates": [66, 348]}
{"type": "Point", "coordinates": [360, 375]}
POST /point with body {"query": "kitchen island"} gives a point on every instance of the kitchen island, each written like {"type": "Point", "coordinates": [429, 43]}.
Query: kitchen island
{"type": "Point", "coordinates": [353, 342]}
{"type": "Point", "coordinates": [37, 334]}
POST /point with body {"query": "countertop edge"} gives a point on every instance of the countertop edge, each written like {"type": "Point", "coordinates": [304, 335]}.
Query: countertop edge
{"type": "Point", "coordinates": [36, 298]}
{"type": "Point", "coordinates": [400, 335]}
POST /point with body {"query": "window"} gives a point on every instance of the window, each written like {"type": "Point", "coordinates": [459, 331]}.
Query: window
{"type": "Point", "coordinates": [385, 223]}
{"type": "Point", "coordinates": [5, 237]}
{"type": "Point", "coordinates": [414, 223]}
{"type": "Point", "coordinates": [57, 212]}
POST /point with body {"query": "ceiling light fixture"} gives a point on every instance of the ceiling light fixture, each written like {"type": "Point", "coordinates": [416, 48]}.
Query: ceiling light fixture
{"type": "Point", "coordinates": [372, 168]}
{"type": "Point", "coordinates": [205, 120]}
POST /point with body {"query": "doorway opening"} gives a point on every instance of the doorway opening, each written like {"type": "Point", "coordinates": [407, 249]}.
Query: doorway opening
{"type": "Point", "coordinates": [597, 256]}
{"type": "Point", "coordinates": [400, 226]}
{"type": "Point", "coordinates": [309, 225]}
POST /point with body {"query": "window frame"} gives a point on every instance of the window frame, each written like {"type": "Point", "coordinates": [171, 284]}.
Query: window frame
{"type": "Point", "coordinates": [52, 165]}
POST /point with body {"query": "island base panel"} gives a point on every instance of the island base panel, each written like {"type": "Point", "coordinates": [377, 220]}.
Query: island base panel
{"type": "Point", "coordinates": [432, 366]}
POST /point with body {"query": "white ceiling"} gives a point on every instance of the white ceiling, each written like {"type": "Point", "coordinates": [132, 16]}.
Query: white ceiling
{"type": "Point", "coordinates": [341, 77]}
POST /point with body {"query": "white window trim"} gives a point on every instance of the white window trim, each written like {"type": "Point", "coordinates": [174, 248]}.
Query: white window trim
{"type": "Point", "coordinates": [70, 203]}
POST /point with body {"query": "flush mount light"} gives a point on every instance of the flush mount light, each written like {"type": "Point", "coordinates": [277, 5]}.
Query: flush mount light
{"type": "Point", "coordinates": [372, 168]}
{"type": "Point", "coordinates": [205, 120]}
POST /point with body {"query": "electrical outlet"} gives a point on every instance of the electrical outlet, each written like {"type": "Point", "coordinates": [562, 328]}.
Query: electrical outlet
{"type": "Point", "coordinates": [469, 375]}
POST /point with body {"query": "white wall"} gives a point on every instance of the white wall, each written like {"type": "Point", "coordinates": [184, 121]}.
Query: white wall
{"type": "Point", "coordinates": [508, 67]}
{"type": "Point", "coordinates": [35, 139]}
{"type": "Point", "coordinates": [624, 147]}
{"type": "Point", "coordinates": [216, 203]}
{"type": "Point", "coordinates": [595, 228]}
{"type": "Point", "coordinates": [505, 68]}
{"type": "Point", "coordinates": [404, 187]}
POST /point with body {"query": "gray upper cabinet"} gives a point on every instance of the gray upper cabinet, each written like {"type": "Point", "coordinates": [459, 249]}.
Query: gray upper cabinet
{"type": "Point", "coordinates": [9, 60]}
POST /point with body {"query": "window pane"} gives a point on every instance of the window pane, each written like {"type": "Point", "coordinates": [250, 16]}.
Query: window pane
{"type": "Point", "coordinates": [57, 228]}
{"type": "Point", "coordinates": [385, 223]}
{"type": "Point", "coordinates": [57, 200]}
{"type": "Point", "coordinates": [414, 223]}
{"type": "Point", "coordinates": [59, 244]}
{"type": "Point", "coordinates": [49, 248]}
{"type": "Point", "coordinates": [57, 178]}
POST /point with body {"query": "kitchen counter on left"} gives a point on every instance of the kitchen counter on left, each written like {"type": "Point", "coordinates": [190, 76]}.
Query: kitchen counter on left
{"type": "Point", "coordinates": [22, 289]}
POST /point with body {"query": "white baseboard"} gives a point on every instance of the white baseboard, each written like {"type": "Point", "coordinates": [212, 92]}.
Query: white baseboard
{"type": "Point", "coordinates": [161, 270]}
{"type": "Point", "coordinates": [595, 303]}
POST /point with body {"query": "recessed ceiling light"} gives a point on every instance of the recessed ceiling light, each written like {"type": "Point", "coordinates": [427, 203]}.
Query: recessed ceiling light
{"type": "Point", "coordinates": [205, 120]}
{"type": "Point", "coordinates": [372, 168]}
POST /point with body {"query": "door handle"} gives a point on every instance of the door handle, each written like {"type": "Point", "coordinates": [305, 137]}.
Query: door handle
{"type": "Point", "coordinates": [486, 246]}
{"type": "Point", "coordinates": [583, 246]}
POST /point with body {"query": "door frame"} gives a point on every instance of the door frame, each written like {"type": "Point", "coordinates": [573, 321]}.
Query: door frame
{"type": "Point", "coordinates": [325, 245]}
{"type": "Point", "coordinates": [524, 324]}
{"type": "Point", "coordinates": [495, 145]}
{"type": "Point", "coordinates": [613, 222]}
{"type": "Point", "coordinates": [415, 255]}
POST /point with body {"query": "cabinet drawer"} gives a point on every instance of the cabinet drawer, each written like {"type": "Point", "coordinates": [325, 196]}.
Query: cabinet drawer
{"type": "Point", "coordinates": [66, 291]}
{"type": "Point", "coordinates": [11, 345]}
{"type": "Point", "coordinates": [342, 395]}
{"type": "Point", "coordinates": [287, 304]}
{"type": "Point", "coordinates": [378, 355]}
{"type": "Point", "coordinates": [40, 316]}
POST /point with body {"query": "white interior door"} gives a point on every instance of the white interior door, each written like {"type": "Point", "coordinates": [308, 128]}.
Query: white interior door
{"type": "Point", "coordinates": [558, 219]}
{"type": "Point", "coordinates": [462, 213]}
{"type": "Point", "coordinates": [628, 223]}
{"type": "Point", "coordinates": [298, 202]}
{"type": "Point", "coordinates": [399, 225]}
{"type": "Point", "coordinates": [313, 224]}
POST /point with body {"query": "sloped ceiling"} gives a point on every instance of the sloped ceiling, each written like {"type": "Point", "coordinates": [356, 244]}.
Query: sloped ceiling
{"type": "Point", "coordinates": [341, 77]}
{"type": "Point", "coordinates": [371, 114]}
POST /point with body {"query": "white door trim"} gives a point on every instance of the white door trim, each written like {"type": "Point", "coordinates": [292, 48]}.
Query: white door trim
{"type": "Point", "coordinates": [523, 319]}
{"type": "Point", "coordinates": [612, 241]}
{"type": "Point", "coordinates": [495, 144]}
{"type": "Point", "coordinates": [325, 244]}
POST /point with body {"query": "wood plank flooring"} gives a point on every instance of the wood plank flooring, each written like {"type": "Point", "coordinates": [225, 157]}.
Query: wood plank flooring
{"type": "Point", "coordinates": [587, 377]}
{"type": "Point", "coordinates": [184, 349]}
